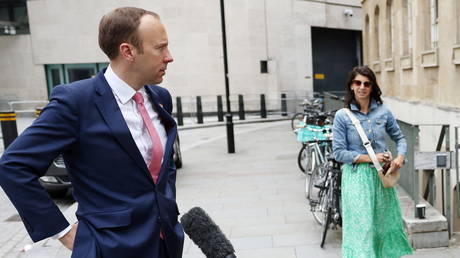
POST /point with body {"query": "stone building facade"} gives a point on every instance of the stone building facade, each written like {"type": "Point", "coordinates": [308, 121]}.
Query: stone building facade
{"type": "Point", "coordinates": [62, 44]}
{"type": "Point", "coordinates": [414, 48]}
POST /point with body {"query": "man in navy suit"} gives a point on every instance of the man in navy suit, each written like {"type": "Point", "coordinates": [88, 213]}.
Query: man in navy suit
{"type": "Point", "coordinates": [116, 135]}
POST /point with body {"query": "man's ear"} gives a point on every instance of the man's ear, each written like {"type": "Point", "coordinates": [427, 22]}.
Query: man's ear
{"type": "Point", "coordinates": [127, 51]}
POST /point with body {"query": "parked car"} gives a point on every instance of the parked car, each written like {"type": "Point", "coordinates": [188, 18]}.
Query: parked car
{"type": "Point", "coordinates": [177, 154]}
{"type": "Point", "coordinates": [57, 181]}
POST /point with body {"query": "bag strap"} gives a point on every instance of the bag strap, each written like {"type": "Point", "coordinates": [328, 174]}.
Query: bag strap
{"type": "Point", "coordinates": [364, 139]}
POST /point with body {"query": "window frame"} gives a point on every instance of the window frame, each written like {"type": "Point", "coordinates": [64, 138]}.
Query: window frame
{"type": "Point", "coordinates": [64, 72]}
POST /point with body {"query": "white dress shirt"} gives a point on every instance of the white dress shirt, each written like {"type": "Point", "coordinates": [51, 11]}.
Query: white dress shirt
{"type": "Point", "coordinates": [124, 96]}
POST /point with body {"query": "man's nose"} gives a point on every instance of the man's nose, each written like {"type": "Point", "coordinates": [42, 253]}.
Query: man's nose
{"type": "Point", "coordinates": [168, 58]}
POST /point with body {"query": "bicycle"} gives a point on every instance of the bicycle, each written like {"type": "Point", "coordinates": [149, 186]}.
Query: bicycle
{"type": "Point", "coordinates": [329, 207]}
{"type": "Point", "coordinates": [318, 150]}
{"type": "Point", "coordinates": [310, 108]}
{"type": "Point", "coordinates": [313, 128]}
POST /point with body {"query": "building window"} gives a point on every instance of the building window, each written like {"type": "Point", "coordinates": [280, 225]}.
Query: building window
{"type": "Point", "coordinates": [263, 66]}
{"type": "Point", "coordinates": [376, 45]}
{"type": "Point", "coordinates": [407, 27]}
{"type": "Point", "coordinates": [434, 17]}
{"type": "Point", "coordinates": [366, 40]}
{"type": "Point", "coordinates": [13, 17]}
{"type": "Point", "coordinates": [57, 74]}
{"type": "Point", "coordinates": [389, 29]}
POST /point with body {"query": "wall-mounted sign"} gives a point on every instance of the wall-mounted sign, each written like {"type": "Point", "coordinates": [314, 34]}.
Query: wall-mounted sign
{"type": "Point", "coordinates": [319, 76]}
{"type": "Point", "coordinates": [434, 160]}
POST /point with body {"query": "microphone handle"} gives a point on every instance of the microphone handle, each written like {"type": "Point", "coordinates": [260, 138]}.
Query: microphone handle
{"type": "Point", "coordinates": [230, 256]}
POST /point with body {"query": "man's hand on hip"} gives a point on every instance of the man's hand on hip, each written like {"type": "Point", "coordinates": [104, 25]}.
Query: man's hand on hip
{"type": "Point", "coordinates": [68, 239]}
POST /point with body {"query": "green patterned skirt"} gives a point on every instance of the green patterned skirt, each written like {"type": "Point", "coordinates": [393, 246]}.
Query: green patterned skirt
{"type": "Point", "coordinates": [372, 223]}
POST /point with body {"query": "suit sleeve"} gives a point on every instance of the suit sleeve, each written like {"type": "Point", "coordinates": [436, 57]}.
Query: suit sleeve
{"type": "Point", "coordinates": [29, 157]}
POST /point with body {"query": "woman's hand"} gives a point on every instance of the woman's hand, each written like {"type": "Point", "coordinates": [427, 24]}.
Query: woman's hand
{"type": "Point", "coordinates": [398, 161]}
{"type": "Point", "coordinates": [383, 157]}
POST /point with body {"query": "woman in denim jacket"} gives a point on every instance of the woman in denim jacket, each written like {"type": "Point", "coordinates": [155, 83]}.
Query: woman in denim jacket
{"type": "Point", "coordinates": [372, 223]}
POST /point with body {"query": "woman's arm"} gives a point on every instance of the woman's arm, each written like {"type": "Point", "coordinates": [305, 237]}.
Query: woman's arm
{"type": "Point", "coordinates": [340, 141]}
{"type": "Point", "coordinates": [395, 133]}
{"type": "Point", "coordinates": [381, 157]}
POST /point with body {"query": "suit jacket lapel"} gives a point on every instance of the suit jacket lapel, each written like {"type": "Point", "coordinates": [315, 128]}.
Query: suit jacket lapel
{"type": "Point", "coordinates": [108, 107]}
{"type": "Point", "coordinates": [170, 127]}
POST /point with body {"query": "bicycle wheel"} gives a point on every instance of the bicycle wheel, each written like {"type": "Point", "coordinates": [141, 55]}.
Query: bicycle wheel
{"type": "Point", "coordinates": [310, 152]}
{"type": "Point", "coordinates": [296, 119]}
{"type": "Point", "coordinates": [304, 159]}
{"type": "Point", "coordinates": [317, 178]}
{"type": "Point", "coordinates": [327, 221]}
{"type": "Point", "coordinates": [319, 207]}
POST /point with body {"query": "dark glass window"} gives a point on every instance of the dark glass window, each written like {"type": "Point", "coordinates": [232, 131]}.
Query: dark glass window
{"type": "Point", "coordinates": [76, 74]}
{"type": "Point", "coordinates": [263, 66]}
{"type": "Point", "coordinates": [13, 17]}
{"type": "Point", "coordinates": [55, 77]}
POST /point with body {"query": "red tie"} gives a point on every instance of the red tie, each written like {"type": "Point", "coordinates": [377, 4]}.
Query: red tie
{"type": "Point", "coordinates": [157, 148]}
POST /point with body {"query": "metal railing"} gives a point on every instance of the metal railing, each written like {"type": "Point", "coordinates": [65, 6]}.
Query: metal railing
{"type": "Point", "coordinates": [333, 100]}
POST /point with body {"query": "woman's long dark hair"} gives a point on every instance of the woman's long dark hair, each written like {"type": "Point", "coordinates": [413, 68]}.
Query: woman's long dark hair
{"type": "Point", "coordinates": [367, 72]}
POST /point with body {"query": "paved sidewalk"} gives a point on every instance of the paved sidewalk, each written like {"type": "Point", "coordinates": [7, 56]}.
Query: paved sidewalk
{"type": "Point", "coordinates": [255, 195]}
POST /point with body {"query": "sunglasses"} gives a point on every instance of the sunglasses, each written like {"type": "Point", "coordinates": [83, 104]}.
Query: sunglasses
{"type": "Point", "coordinates": [358, 83]}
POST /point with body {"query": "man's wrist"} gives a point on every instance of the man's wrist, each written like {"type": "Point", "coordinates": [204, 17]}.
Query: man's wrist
{"type": "Point", "coordinates": [62, 233]}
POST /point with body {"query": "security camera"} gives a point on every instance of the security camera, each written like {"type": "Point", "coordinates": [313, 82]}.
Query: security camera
{"type": "Point", "coordinates": [348, 12]}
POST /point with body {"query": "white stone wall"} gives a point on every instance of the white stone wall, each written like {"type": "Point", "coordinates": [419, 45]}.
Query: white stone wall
{"type": "Point", "coordinates": [65, 32]}
{"type": "Point", "coordinates": [20, 77]}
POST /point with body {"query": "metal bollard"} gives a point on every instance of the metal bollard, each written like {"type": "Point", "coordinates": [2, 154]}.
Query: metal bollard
{"type": "Point", "coordinates": [220, 109]}
{"type": "Point", "coordinates": [179, 114]}
{"type": "Point", "coordinates": [283, 104]}
{"type": "Point", "coordinates": [9, 127]}
{"type": "Point", "coordinates": [241, 107]}
{"type": "Point", "coordinates": [230, 133]}
{"type": "Point", "coordinates": [199, 110]}
{"type": "Point", "coordinates": [263, 108]}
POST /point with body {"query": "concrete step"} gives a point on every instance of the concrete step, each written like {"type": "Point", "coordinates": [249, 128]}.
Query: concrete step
{"type": "Point", "coordinates": [429, 232]}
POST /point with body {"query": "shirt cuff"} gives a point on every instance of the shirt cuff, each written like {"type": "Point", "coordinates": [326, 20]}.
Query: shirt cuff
{"type": "Point", "coordinates": [62, 233]}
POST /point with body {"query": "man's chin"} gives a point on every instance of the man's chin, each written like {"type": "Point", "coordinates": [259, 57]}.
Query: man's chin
{"type": "Point", "coordinates": [156, 81]}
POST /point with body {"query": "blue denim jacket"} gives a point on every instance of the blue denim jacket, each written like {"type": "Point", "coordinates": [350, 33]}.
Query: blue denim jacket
{"type": "Point", "coordinates": [347, 144]}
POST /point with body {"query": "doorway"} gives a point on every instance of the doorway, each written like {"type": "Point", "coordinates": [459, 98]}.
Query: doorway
{"type": "Point", "coordinates": [335, 52]}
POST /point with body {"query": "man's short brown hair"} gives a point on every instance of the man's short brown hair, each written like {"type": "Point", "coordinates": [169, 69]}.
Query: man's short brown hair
{"type": "Point", "coordinates": [119, 26]}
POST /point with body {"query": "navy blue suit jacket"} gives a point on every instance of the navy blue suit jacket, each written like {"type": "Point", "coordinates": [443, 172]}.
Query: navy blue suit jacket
{"type": "Point", "coordinates": [120, 209]}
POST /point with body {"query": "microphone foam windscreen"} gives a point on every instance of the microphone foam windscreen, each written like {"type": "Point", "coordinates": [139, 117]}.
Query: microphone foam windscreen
{"type": "Point", "coordinates": [206, 234]}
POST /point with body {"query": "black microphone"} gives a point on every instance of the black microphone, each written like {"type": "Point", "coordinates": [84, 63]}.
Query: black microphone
{"type": "Point", "coordinates": [206, 234]}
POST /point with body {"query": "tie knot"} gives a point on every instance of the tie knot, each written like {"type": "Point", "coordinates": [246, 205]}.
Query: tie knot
{"type": "Point", "coordinates": [138, 98]}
